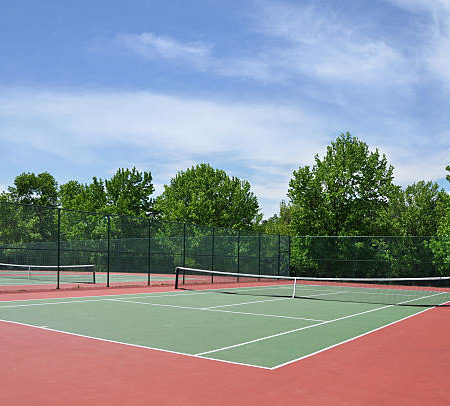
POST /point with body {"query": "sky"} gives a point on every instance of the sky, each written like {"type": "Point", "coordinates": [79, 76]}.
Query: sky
{"type": "Point", "coordinates": [256, 88]}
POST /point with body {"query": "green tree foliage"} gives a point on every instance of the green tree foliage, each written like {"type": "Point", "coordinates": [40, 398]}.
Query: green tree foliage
{"type": "Point", "coordinates": [41, 189]}
{"type": "Point", "coordinates": [441, 246]}
{"type": "Point", "coordinates": [416, 210]}
{"type": "Point", "coordinates": [444, 226]}
{"type": "Point", "coordinates": [27, 223]}
{"type": "Point", "coordinates": [279, 223]}
{"type": "Point", "coordinates": [129, 191]}
{"type": "Point", "coordinates": [208, 196]}
{"type": "Point", "coordinates": [342, 194]}
{"type": "Point", "coordinates": [88, 197]}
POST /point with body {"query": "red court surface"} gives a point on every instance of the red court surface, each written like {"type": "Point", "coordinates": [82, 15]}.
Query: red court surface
{"type": "Point", "coordinates": [404, 364]}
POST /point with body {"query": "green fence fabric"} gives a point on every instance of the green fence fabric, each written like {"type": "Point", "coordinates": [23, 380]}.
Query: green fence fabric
{"type": "Point", "coordinates": [123, 244]}
{"type": "Point", "coordinates": [136, 245]}
{"type": "Point", "coordinates": [370, 257]}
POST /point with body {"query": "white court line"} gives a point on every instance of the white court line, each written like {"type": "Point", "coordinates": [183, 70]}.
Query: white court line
{"type": "Point", "coordinates": [272, 300]}
{"type": "Point", "coordinates": [213, 310]}
{"type": "Point", "coordinates": [245, 303]}
{"type": "Point", "coordinates": [100, 299]}
{"type": "Point", "coordinates": [308, 327]}
{"type": "Point", "coordinates": [180, 353]}
{"type": "Point", "coordinates": [346, 341]}
{"type": "Point", "coordinates": [51, 303]}
{"type": "Point", "coordinates": [131, 345]}
{"type": "Point", "coordinates": [128, 295]}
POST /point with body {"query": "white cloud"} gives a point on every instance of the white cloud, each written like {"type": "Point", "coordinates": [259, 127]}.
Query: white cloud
{"type": "Point", "coordinates": [415, 6]}
{"type": "Point", "coordinates": [317, 42]}
{"type": "Point", "coordinates": [153, 46]}
{"type": "Point", "coordinates": [321, 44]}
{"type": "Point", "coordinates": [172, 133]}
{"type": "Point", "coordinates": [435, 34]}
{"type": "Point", "coordinates": [198, 56]}
{"type": "Point", "coordinates": [261, 142]}
{"type": "Point", "coordinates": [300, 40]}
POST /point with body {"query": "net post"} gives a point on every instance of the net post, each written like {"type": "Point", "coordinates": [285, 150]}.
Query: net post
{"type": "Point", "coordinates": [295, 287]}
{"type": "Point", "coordinates": [149, 251]}
{"type": "Point", "coordinates": [58, 247]}
{"type": "Point", "coordinates": [109, 249]}
{"type": "Point", "coordinates": [93, 274]}
{"type": "Point", "coordinates": [177, 273]}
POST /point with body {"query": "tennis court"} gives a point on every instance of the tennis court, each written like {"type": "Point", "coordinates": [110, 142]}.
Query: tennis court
{"type": "Point", "coordinates": [15, 277]}
{"type": "Point", "coordinates": [247, 327]}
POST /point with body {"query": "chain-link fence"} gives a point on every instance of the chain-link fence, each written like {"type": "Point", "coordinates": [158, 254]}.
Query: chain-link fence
{"type": "Point", "coordinates": [370, 257]}
{"type": "Point", "coordinates": [134, 250]}
{"type": "Point", "coordinates": [127, 250]}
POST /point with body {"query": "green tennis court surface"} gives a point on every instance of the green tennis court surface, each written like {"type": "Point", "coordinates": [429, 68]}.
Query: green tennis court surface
{"type": "Point", "coordinates": [100, 278]}
{"type": "Point", "coordinates": [248, 329]}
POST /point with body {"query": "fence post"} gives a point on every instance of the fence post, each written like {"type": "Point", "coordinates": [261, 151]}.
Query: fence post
{"type": "Point", "coordinates": [184, 244]}
{"type": "Point", "coordinates": [58, 248]}
{"type": "Point", "coordinates": [259, 255]}
{"type": "Point", "coordinates": [289, 255]}
{"type": "Point", "coordinates": [109, 250]}
{"type": "Point", "coordinates": [212, 249]}
{"type": "Point", "coordinates": [279, 253]}
{"type": "Point", "coordinates": [239, 252]}
{"type": "Point", "coordinates": [149, 250]}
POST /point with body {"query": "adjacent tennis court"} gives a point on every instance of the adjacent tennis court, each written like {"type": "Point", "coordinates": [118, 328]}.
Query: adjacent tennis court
{"type": "Point", "coordinates": [247, 327]}
{"type": "Point", "coordinates": [17, 277]}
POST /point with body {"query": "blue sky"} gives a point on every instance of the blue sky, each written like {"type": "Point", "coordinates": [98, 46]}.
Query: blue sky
{"type": "Point", "coordinates": [253, 87]}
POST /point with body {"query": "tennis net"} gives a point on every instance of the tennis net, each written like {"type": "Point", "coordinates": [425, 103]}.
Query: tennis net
{"type": "Point", "coordinates": [433, 291]}
{"type": "Point", "coordinates": [49, 273]}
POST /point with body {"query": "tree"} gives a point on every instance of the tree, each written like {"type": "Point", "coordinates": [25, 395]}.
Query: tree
{"type": "Point", "coordinates": [89, 197]}
{"type": "Point", "coordinates": [41, 189]}
{"type": "Point", "coordinates": [128, 192]}
{"type": "Point", "coordinates": [208, 196]}
{"type": "Point", "coordinates": [34, 220]}
{"type": "Point", "coordinates": [342, 194]}
{"type": "Point", "coordinates": [418, 209]}
{"type": "Point", "coordinates": [441, 244]}
{"type": "Point", "coordinates": [279, 223]}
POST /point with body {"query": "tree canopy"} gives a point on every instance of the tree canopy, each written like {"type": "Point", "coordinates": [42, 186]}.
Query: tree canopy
{"type": "Point", "coordinates": [41, 189]}
{"type": "Point", "coordinates": [278, 223]}
{"type": "Point", "coordinates": [88, 197]}
{"type": "Point", "coordinates": [342, 193]}
{"type": "Point", "coordinates": [416, 210]}
{"type": "Point", "coordinates": [128, 192]}
{"type": "Point", "coordinates": [204, 195]}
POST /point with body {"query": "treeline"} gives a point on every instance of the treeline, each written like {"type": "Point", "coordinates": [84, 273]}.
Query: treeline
{"type": "Point", "coordinates": [349, 191]}
{"type": "Point", "coordinates": [198, 195]}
